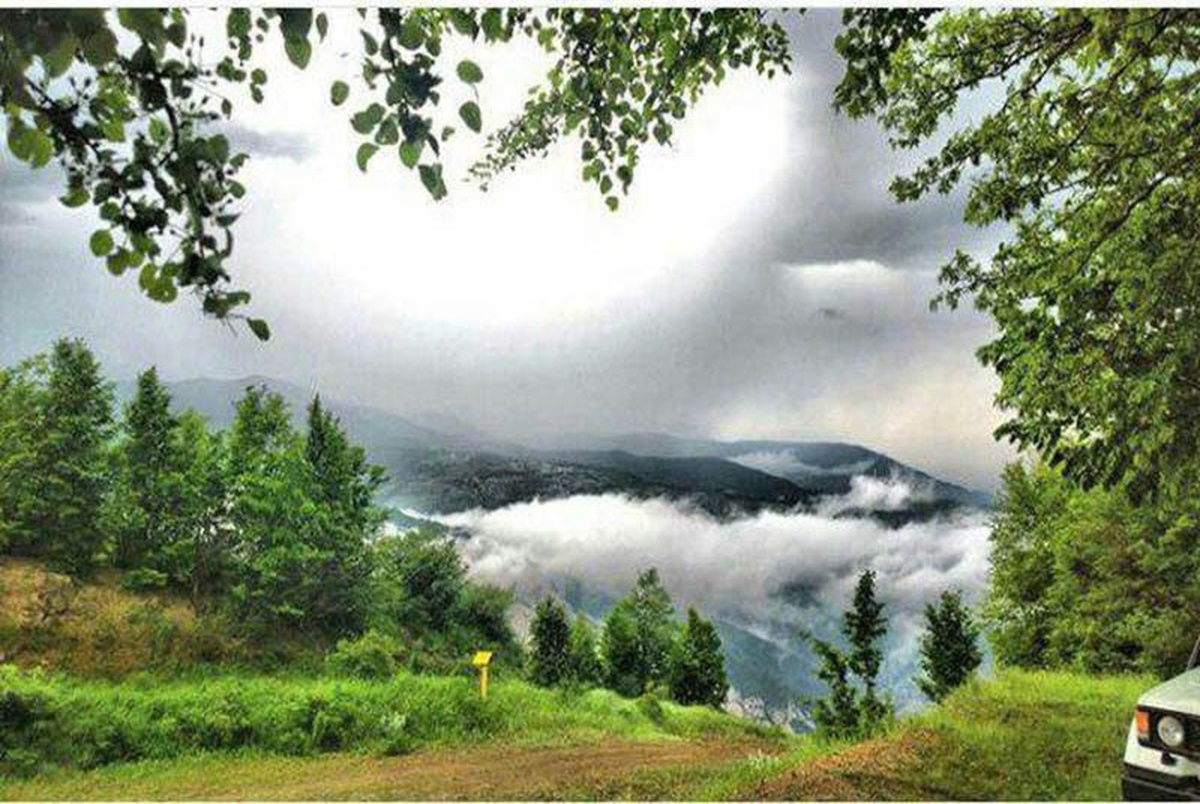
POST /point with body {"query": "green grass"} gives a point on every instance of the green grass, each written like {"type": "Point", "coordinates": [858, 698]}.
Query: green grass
{"type": "Point", "coordinates": [51, 722]}
{"type": "Point", "coordinates": [1030, 735]}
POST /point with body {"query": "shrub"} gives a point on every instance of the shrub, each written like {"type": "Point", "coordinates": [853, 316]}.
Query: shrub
{"type": "Point", "coordinates": [370, 656]}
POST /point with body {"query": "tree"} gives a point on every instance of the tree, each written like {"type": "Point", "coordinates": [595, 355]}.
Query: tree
{"type": "Point", "coordinates": [1087, 153]}
{"type": "Point", "coordinates": [550, 633]}
{"type": "Point", "coordinates": [73, 83]}
{"type": "Point", "coordinates": [836, 715]}
{"type": "Point", "coordinates": [949, 646]}
{"type": "Point", "coordinates": [21, 388]}
{"type": "Point", "coordinates": [583, 659]}
{"type": "Point", "coordinates": [199, 556]}
{"type": "Point", "coordinates": [418, 577]}
{"type": "Point", "coordinates": [864, 626]}
{"type": "Point", "coordinates": [696, 673]}
{"type": "Point", "coordinates": [619, 651]}
{"type": "Point", "coordinates": [853, 707]}
{"type": "Point", "coordinates": [638, 634]}
{"type": "Point", "coordinates": [68, 472]}
{"type": "Point", "coordinates": [150, 471]}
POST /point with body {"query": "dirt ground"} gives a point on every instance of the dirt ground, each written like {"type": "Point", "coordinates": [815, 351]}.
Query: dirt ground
{"type": "Point", "coordinates": [477, 773]}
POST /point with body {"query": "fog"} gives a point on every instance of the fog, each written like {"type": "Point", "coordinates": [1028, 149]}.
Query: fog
{"type": "Point", "coordinates": [772, 573]}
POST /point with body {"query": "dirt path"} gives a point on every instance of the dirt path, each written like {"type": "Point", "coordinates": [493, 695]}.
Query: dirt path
{"type": "Point", "coordinates": [478, 773]}
{"type": "Point", "coordinates": [877, 769]}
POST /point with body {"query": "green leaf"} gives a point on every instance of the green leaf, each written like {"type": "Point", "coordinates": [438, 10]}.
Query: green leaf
{"type": "Point", "coordinates": [58, 59]}
{"type": "Point", "coordinates": [493, 27]}
{"type": "Point", "coordinates": [410, 152]}
{"type": "Point", "coordinates": [322, 25]}
{"type": "Point", "coordinates": [469, 72]}
{"type": "Point", "coordinates": [469, 112]}
{"type": "Point", "coordinates": [412, 33]}
{"type": "Point", "coordinates": [365, 152]}
{"type": "Point", "coordinates": [365, 121]}
{"type": "Point", "coordinates": [75, 197]}
{"type": "Point", "coordinates": [431, 177]}
{"type": "Point", "coordinates": [370, 44]}
{"type": "Point", "coordinates": [613, 202]}
{"type": "Point", "coordinates": [41, 147]}
{"type": "Point", "coordinates": [338, 92]}
{"type": "Point", "coordinates": [101, 242]}
{"type": "Point", "coordinates": [259, 328]}
{"type": "Point", "coordinates": [299, 51]}
{"type": "Point", "coordinates": [159, 131]}
{"type": "Point", "coordinates": [100, 48]}
{"type": "Point", "coordinates": [387, 134]}
{"type": "Point", "coordinates": [463, 22]}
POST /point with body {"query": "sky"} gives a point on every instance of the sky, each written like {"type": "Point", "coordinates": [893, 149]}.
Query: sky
{"type": "Point", "coordinates": [759, 281]}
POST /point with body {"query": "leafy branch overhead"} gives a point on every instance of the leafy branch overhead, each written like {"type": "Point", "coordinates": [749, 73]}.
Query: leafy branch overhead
{"type": "Point", "coordinates": [130, 103]}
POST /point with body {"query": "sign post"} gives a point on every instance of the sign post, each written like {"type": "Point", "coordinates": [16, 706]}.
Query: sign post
{"type": "Point", "coordinates": [481, 661]}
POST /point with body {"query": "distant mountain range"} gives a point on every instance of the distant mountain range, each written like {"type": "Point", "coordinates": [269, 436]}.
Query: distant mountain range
{"type": "Point", "coordinates": [439, 464]}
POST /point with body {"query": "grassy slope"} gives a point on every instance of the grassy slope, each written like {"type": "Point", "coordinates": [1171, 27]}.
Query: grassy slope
{"type": "Point", "coordinates": [1020, 736]}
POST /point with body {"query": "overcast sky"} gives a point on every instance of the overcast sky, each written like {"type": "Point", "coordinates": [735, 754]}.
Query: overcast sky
{"type": "Point", "coordinates": [758, 283]}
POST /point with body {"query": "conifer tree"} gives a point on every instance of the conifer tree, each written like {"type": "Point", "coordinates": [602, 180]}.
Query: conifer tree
{"type": "Point", "coordinates": [696, 673]}
{"type": "Point", "coordinates": [583, 660]}
{"type": "Point", "coordinates": [150, 470]}
{"type": "Point", "coordinates": [620, 651]}
{"type": "Point", "coordinates": [550, 633]}
{"type": "Point", "coordinates": [864, 625]}
{"type": "Point", "coordinates": [69, 470]}
{"type": "Point", "coordinates": [949, 647]}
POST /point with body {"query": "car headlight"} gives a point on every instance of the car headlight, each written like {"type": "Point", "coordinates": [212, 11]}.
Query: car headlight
{"type": "Point", "coordinates": [1170, 731]}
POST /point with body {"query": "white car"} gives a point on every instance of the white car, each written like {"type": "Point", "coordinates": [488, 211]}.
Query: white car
{"type": "Point", "coordinates": [1162, 751]}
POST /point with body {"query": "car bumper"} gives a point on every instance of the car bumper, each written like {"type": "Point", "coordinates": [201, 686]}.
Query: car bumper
{"type": "Point", "coordinates": [1139, 784]}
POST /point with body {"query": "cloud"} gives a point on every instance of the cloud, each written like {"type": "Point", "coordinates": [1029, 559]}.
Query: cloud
{"type": "Point", "coordinates": [737, 567]}
{"type": "Point", "coordinates": [292, 145]}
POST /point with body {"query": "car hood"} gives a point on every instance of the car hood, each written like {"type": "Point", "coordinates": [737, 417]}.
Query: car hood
{"type": "Point", "coordinates": [1180, 694]}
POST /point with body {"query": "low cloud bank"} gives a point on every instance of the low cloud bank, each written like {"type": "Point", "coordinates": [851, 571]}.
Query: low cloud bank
{"type": "Point", "coordinates": [739, 567]}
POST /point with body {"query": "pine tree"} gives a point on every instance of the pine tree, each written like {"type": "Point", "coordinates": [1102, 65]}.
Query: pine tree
{"type": "Point", "coordinates": [949, 647]}
{"type": "Point", "coordinates": [620, 651]}
{"type": "Point", "coordinates": [21, 399]}
{"type": "Point", "coordinates": [836, 715]}
{"type": "Point", "coordinates": [150, 471]}
{"type": "Point", "coordinates": [654, 617]}
{"type": "Point", "coordinates": [583, 660]}
{"type": "Point", "coordinates": [69, 470]}
{"type": "Point", "coordinates": [551, 635]}
{"type": "Point", "coordinates": [696, 673]}
{"type": "Point", "coordinates": [864, 626]}
{"type": "Point", "coordinates": [854, 707]}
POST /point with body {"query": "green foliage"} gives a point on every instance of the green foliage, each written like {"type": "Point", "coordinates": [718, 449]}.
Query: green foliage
{"type": "Point", "coordinates": [59, 510]}
{"type": "Point", "coordinates": [550, 634]}
{"type": "Point", "coordinates": [638, 634]}
{"type": "Point", "coordinates": [149, 477]}
{"type": "Point", "coordinates": [75, 81]}
{"type": "Point", "coordinates": [371, 655]}
{"type": "Point", "coordinates": [1087, 580]}
{"type": "Point", "coordinates": [583, 657]}
{"type": "Point", "coordinates": [1085, 150]}
{"type": "Point", "coordinates": [853, 707]}
{"type": "Point", "coordinates": [696, 671]}
{"type": "Point", "coordinates": [421, 595]}
{"type": "Point", "coordinates": [949, 646]}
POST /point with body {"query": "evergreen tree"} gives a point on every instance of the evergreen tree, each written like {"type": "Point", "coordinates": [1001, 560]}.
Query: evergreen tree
{"type": "Point", "coordinates": [655, 620]}
{"type": "Point", "coordinates": [21, 399]}
{"type": "Point", "coordinates": [150, 470]}
{"type": "Point", "coordinates": [854, 707]}
{"type": "Point", "coordinates": [583, 660]}
{"type": "Point", "coordinates": [696, 672]}
{"type": "Point", "coordinates": [620, 651]}
{"type": "Point", "coordinates": [69, 468]}
{"type": "Point", "coordinates": [550, 633]}
{"type": "Point", "coordinates": [949, 647]}
{"type": "Point", "coordinates": [864, 625]}
{"type": "Point", "coordinates": [198, 557]}
{"type": "Point", "coordinates": [836, 715]}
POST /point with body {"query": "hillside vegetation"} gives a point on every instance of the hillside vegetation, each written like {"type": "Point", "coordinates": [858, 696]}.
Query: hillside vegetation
{"type": "Point", "coordinates": [1022, 735]}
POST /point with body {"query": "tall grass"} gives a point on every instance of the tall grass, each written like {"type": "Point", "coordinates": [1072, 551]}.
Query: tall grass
{"type": "Point", "coordinates": [51, 721]}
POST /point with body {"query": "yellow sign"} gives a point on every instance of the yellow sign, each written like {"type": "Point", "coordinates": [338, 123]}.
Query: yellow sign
{"type": "Point", "coordinates": [482, 659]}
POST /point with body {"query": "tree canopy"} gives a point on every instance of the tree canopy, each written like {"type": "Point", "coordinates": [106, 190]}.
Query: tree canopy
{"type": "Point", "coordinates": [130, 103]}
{"type": "Point", "coordinates": [1085, 154]}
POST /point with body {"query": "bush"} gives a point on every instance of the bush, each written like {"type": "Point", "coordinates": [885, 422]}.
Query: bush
{"type": "Point", "coordinates": [370, 656]}
{"type": "Point", "coordinates": [144, 579]}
